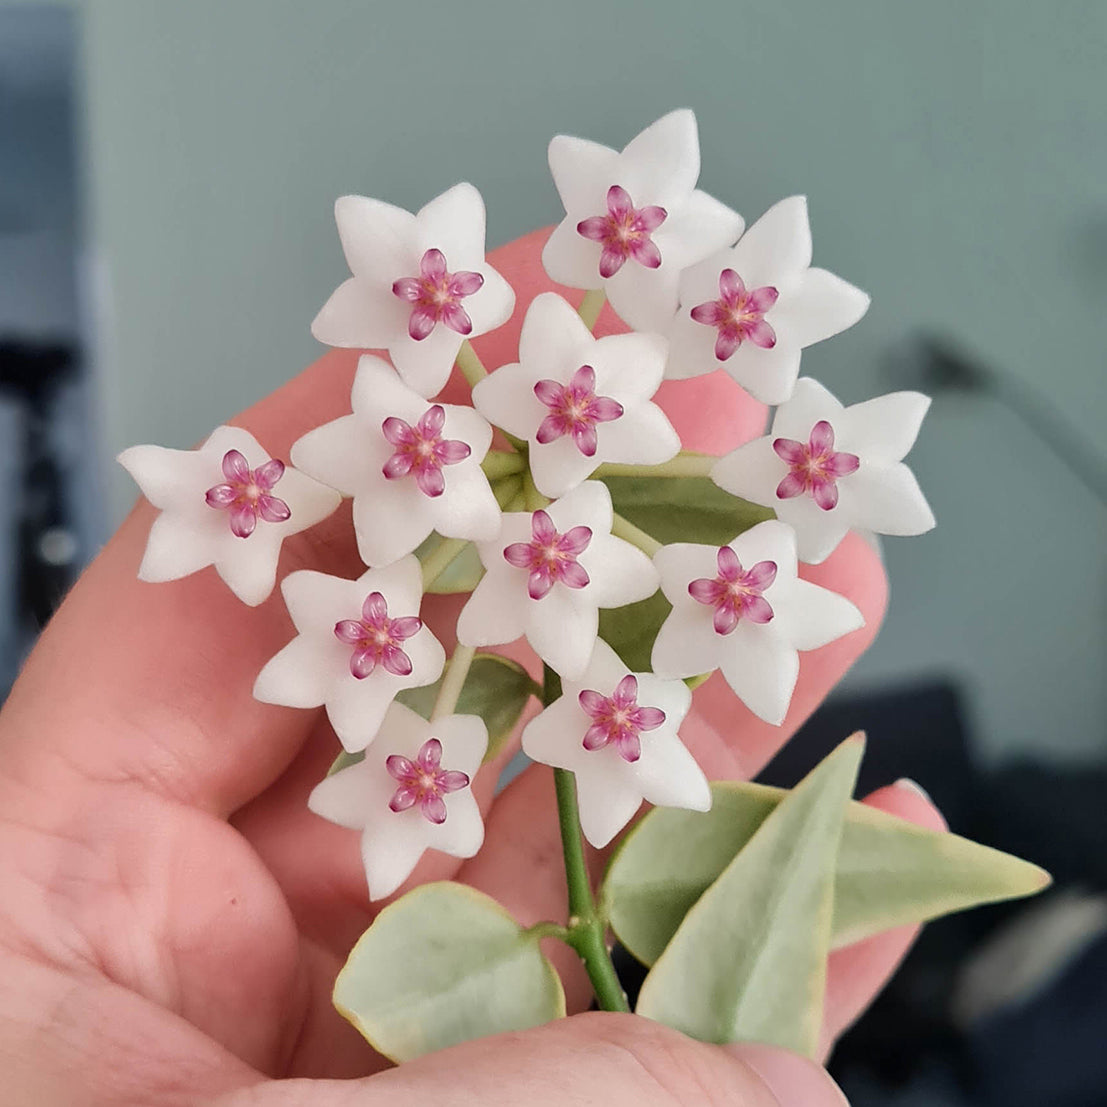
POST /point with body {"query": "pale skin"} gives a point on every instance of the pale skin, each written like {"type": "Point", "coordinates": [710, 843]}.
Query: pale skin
{"type": "Point", "coordinates": [172, 916]}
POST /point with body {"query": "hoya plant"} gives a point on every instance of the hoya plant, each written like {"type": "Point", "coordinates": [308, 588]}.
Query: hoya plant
{"type": "Point", "coordinates": [554, 495]}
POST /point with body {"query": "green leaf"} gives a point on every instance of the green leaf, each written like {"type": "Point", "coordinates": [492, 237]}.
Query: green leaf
{"type": "Point", "coordinates": [445, 964]}
{"type": "Point", "coordinates": [461, 575]}
{"type": "Point", "coordinates": [748, 962]}
{"type": "Point", "coordinates": [631, 630]}
{"type": "Point", "coordinates": [684, 509]}
{"type": "Point", "coordinates": [496, 689]}
{"type": "Point", "coordinates": [890, 872]}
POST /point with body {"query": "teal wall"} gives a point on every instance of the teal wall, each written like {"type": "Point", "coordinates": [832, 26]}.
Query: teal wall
{"type": "Point", "coordinates": [954, 156]}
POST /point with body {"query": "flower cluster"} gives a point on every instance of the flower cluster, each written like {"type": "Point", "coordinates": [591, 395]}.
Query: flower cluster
{"type": "Point", "coordinates": [554, 548]}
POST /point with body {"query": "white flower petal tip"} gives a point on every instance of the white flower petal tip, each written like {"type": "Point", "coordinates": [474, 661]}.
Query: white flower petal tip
{"type": "Point", "coordinates": [579, 401]}
{"type": "Point", "coordinates": [634, 220]}
{"type": "Point", "coordinates": [411, 466]}
{"type": "Point", "coordinates": [411, 793]}
{"type": "Point", "coordinates": [548, 574]}
{"type": "Point", "coordinates": [752, 309]}
{"type": "Point", "coordinates": [419, 287]}
{"type": "Point", "coordinates": [227, 504]}
{"type": "Point", "coordinates": [742, 609]}
{"type": "Point", "coordinates": [616, 731]}
{"type": "Point", "coordinates": [827, 469]}
{"type": "Point", "coordinates": [358, 643]}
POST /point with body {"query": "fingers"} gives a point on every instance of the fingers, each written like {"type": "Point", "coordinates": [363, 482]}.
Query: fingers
{"type": "Point", "coordinates": [857, 973]}
{"type": "Point", "coordinates": [591, 1060]}
{"type": "Point", "coordinates": [133, 681]}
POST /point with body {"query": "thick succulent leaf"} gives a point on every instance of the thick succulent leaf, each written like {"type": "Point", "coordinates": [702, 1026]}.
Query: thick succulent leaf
{"type": "Point", "coordinates": [684, 509]}
{"type": "Point", "coordinates": [445, 964]}
{"type": "Point", "coordinates": [748, 962]}
{"type": "Point", "coordinates": [496, 689]}
{"type": "Point", "coordinates": [890, 872]}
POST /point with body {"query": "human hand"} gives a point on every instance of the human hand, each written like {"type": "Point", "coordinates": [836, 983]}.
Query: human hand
{"type": "Point", "coordinates": [173, 916]}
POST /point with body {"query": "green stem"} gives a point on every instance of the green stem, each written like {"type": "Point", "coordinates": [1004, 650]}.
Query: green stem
{"type": "Point", "coordinates": [695, 681]}
{"type": "Point", "coordinates": [471, 366]}
{"type": "Point", "coordinates": [628, 532]}
{"type": "Point", "coordinates": [587, 933]}
{"type": "Point", "coordinates": [534, 498]}
{"type": "Point", "coordinates": [591, 306]}
{"type": "Point", "coordinates": [506, 489]}
{"type": "Point", "coordinates": [453, 682]}
{"type": "Point", "coordinates": [683, 465]}
{"type": "Point", "coordinates": [443, 556]}
{"type": "Point", "coordinates": [499, 463]}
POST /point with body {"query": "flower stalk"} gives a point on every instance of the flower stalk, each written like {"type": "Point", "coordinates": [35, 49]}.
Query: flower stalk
{"type": "Point", "coordinates": [685, 464]}
{"type": "Point", "coordinates": [591, 306]}
{"type": "Point", "coordinates": [587, 932]}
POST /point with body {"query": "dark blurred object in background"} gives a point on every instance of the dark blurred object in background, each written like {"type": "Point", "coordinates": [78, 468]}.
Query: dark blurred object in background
{"type": "Point", "coordinates": [49, 485]}
{"type": "Point", "coordinates": [1005, 1006]}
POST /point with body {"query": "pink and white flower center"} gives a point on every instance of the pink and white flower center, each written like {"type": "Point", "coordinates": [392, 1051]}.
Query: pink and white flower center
{"type": "Point", "coordinates": [422, 450]}
{"type": "Point", "coordinates": [624, 232]}
{"type": "Point", "coordinates": [550, 557]}
{"type": "Point", "coordinates": [815, 467]}
{"type": "Point", "coordinates": [247, 494]}
{"type": "Point", "coordinates": [436, 295]}
{"type": "Point", "coordinates": [424, 782]}
{"type": "Point", "coordinates": [618, 720]}
{"type": "Point", "coordinates": [377, 639]}
{"type": "Point", "coordinates": [575, 409]}
{"type": "Point", "coordinates": [736, 592]}
{"type": "Point", "coordinates": [738, 315]}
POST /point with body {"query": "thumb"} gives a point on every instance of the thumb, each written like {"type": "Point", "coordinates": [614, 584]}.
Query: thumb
{"type": "Point", "coordinates": [593, 1059]}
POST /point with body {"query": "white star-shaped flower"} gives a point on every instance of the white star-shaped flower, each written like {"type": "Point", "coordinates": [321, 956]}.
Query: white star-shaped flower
{"type": "Point", "coordinates": [548, 574]}
{"type": "Point", "coordinates": [227, 504]}
{"type": "Point", "coordinates": [829, 469]}
{"type": "Point", "coordinates": [742, 609]}
{"type": "Point", "coordinates": [751, 309]}
{"type": "Point", "coordinates": [359, 642]}
{"type": "Point", "coordinates": [411, 793]}
{"type": "Point", "coordinates": [616, 731]}
{"type": "Point", "coordinates": [634, 220]}
{"type": "Point", "coordinates": [420, 284]}
{"type": "Point", "coordinates": [411, 466]}
{"type": "Point", "coordinates": [579, 400]}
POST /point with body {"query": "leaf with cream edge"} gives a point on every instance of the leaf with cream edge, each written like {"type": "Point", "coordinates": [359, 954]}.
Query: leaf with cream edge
{"type": "Point", "coordinates": [442, 965]}
{"type": "Point", "coordinates": [749, 960]}
{"type": "Point", "coordinates": [496, 689]}
{"type": "Point", "coordinates": [890, 872]}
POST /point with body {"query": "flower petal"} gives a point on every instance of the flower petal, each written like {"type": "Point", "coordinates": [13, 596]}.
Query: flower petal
{"type": "Point", "coordinates": [465, 283]}
{"type": "Point", "coordinates": [430, 480]}
{"type": "Point", "coordinates": [405, 627]}
{"type": "Point", "coordinates": [235, 467]}
{"type": "Point", "coordinates": [421, 323]}
{"type": "Point", "coordinates": [273, 509]}
{"type": "Point", "coordinates": [396, 661]}
{"type": "Point", "coordinates": [243, 521]}
{"type": "Point", "coordinates": [730, 568]}
{"type": "Point", "coordinates": [399, 768]}
{"type": "Point", "coordinates": [592, 702]}
{"type": "Point", "coordinates": [222, 495]}
{"type": "Point", "coordinates": [430, 754]}
{"type": "Point", "coordinates": [457, 318]}
{"type": "Point", "coordinates": [777, 247]}
{"type": "Point", "coordinates": [433, 807]}
{"type": "Point", "coordinates": [267, 475]}
{"type": "Point", "coordinates": [453, 781]}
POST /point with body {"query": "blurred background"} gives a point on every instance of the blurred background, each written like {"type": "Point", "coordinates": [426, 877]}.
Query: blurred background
{"type": "Point", "coordinates": [167, 175]}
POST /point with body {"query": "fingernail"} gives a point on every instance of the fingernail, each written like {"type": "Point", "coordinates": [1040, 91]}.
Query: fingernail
{"type": "Point", "coordinates": [795, 1081]}
{"type": "Point", "coordinates": [909, 785]}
